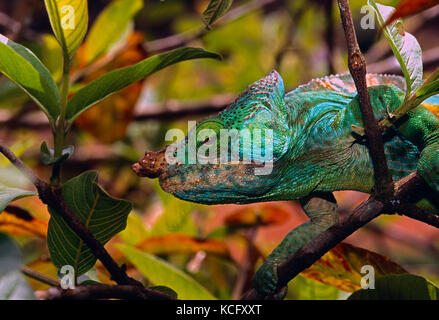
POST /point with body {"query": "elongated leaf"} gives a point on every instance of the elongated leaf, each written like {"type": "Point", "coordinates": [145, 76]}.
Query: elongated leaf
{"type": "Point", "coordinates": [341, 267]}
{"type": "Point", "coordinates": [8, 194]}
{"type": "Point", "coordinates": [405, 47]}
{"type": "Point", "coordinates": [110, 26]}
{"type": "Point", "coordinates": [215, 10]}
{"type": "Point", "coordinates": [399, 287]}
{"type": "Point", "coordinates": [21, 66]}
{"type": "Point", "coordinates": [10, 255]}
{"type": "Point", "coordinates": [69, 21]}
{"type": "Point", "coordinates": [103, 215]}
{"type": "Point", "coordinates": [52, 56]}
{"type": "Point", "coordinates": [13, 286]}
{"type": "Point", "coordinates": [160, 272]}
{"type": "Point", "coordinates": [428, 90]}
{"type": "Point", "coordinates": [113, 81]}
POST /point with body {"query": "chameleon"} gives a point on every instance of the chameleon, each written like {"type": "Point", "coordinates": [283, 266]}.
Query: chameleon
{"type": "Point", "coordinates": [314, 152]}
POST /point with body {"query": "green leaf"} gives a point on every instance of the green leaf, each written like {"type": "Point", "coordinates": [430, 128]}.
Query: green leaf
{"type": "Point", "coordinates": [165, 290]}
{"type": "Point", "coordinates": [10, 255]}
{"type": "Point", "coordinates": [51, 56]}
{"type": "Point", "coordinates": [14, 286]}
{"type": "Point", "coordinates": [8, 194]}
{"type": "Point", "coordinates": [110, 26]}
{"type": "Point", "coordinates": [215, 10]}
{"type": "Point", "coordinates": [398, 287]}
{"type": "Point", "coordinates": [427, 90]}
{"type": "Point", "coordinates": [11, 95]}
{"type": "Point", "coordinates": [69, 21]}
{"type": "Point", "coordinates": [116, 80]}
{"type": "Point", "coordinates": [176, 217]}
{"type": "Point", "coordinates": [21, 66]}
{"type": "Point", "coordinates": [405, 47]}
{"type": "Point", "coordinates": [48, 154]}
{"type": "Point", "coordinates": [302, 288]}
{"type": "Point", "coordinates": [102, 214]}
{"type": "Point", "coordinates": [161, 272]}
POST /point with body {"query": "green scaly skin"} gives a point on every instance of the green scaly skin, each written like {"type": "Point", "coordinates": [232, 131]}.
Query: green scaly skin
{"type": "Point", "coordinates": [314, 153]}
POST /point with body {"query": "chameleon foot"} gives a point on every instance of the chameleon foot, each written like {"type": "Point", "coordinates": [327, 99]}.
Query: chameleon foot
{"type": "Point", "coordinates": [265, 281]}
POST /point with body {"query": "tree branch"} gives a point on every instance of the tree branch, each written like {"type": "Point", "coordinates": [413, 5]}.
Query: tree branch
{"type": "Point", "coordinates": [102, 291]}
{"type": "Point", "coordinates": [365, 212]}
{"type": "Point", "coordinates": [357, 68]}
{"type": "Point", "coordinates": [386, 198]}
{"type": "Point", "coordinates": [53, 198]}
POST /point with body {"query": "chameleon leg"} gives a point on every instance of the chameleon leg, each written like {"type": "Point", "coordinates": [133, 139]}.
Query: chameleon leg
{"type": "Point", "coordinates": [428, 166]}
{"type": "Point", "coordinates": [322, 211]}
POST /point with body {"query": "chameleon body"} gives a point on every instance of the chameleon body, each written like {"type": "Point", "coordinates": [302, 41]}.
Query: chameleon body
{"type": "Point", "coordinates": [314, 153]}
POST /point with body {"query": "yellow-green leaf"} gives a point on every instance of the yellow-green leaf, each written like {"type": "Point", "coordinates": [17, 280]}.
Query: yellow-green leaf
{"type": "Point", "coordinates": [341, 267]}
{"type": "Point", "coordinates": [21, 66]}
{"type": "Point", "coordinates": [160, 272]}
{"type": "Point", "coordinates": [399, 287]}
{"type": "Point", "coordinates": [69, 21]}
{"type": "Point", "coordinates": [118, 79]}
{"type": "Point", "coordinates": [109, 27]}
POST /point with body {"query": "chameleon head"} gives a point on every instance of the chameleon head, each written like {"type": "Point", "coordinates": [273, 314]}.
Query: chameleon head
{"type": "Point", "coordinates": [234, 157]}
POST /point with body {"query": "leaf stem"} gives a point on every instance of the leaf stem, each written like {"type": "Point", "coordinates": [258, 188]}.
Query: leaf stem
{"type": "Point", "coordinates": [60, 131]}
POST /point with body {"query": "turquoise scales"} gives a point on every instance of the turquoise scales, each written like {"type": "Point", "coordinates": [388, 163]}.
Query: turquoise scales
{"type": "Point", "coordinates": [314, 153]}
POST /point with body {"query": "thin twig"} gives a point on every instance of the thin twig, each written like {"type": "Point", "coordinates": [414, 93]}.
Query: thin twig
{"type": "Point", "coordinates": [39, 276]}
{"type": "Point", "coordinates": [386, 199]}
{"type": "Point", "coordinates": [53, 198]}
{"type": "Point", "coordinates": [102, 291]}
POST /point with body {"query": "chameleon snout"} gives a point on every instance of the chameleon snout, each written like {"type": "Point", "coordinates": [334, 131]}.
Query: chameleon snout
{"type": "Point", "coordinates": [152, 165]}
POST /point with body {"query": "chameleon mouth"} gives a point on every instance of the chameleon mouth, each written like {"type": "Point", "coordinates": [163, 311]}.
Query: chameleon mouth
{"type": "Point", "coordinates": [152, 165]}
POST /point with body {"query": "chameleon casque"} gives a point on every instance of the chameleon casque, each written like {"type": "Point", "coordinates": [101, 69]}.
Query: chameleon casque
{"type": "Point", "coordinates": [314, 153]}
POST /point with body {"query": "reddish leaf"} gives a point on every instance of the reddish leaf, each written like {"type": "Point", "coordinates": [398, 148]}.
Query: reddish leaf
{"type": "Point", "coordinates": [264, 215]}
{"type": "Point", "coordinates": [174, 242]}
{"type": "Point", "coordinates": [409, 7]}
{"type": "Point", "coordinates": [341, 267]}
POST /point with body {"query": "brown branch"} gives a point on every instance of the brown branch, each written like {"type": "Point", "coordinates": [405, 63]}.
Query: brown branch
{"type": "Point", "coordinates": [53, 198]}
{"type": "Point", "coordinates": [102, 291]}
{"type": "Point", "coordinates": [357, 68]}
{"type": "Point", "coordinates": [384, 199]}
{"type": "Point", "coordinates": [166, 111]}
{"type": "Point", "coordinates": [39, 276]}
{"type": "Point", "coordinates": [365, 212]}
{"type": "Point", "coordinates": [173, 109]}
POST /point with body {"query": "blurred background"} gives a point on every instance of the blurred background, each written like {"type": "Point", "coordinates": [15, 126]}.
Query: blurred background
{"type": "Point", "coordinates": [219, 246]}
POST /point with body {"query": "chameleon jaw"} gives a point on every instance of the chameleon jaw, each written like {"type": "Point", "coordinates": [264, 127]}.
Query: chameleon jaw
{"type": "Point", "coordinates": [152, 165]}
